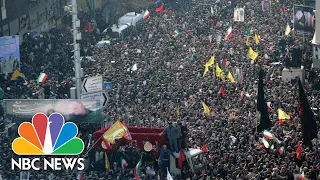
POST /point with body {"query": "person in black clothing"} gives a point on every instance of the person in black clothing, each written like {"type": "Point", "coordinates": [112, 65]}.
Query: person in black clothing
{"type": "Point", "coordinates": [147, 159]}
{"type": "Point", "coordinates": [184, 135]}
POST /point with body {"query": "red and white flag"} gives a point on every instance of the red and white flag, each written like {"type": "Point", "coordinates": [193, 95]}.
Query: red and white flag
{"type": "Point", "coordinates": [229, 33]}
{"type": "Point", "coordinates": [146, 14]}
{"type": "Point", "coordinates": [124, 163]}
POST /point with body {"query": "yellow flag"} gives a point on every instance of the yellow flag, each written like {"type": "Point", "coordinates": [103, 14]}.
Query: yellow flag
{"type": "Point", "coordinates": [206, 109]}
{"type": "Point", "coordinates": [282, 114]}
{"type": "Point", "coordinates": [206, 69]}
{"type": "Point", "coordinates": [256, 38]}
{"type": "Point", "coordinates": [116, 131]}
{"type": "Point", "coordinates": [253, 55]}
{"type": "Point", "coordinates": [107, 164]}
{"type": "Point", "coordinates": [210, 62]}
{"type": "Point", "coordinates": [247, 40]}
{"type": "Point", "coordinates": [230, 77]}
{"type": "Point", "coordinates": [220, 73]}
{"type": "Point", "coordinates": [288, 30]}
{"type": "Point", "coordinates": [15, 74]}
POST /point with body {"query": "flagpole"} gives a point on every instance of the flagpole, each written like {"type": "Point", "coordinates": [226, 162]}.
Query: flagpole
{"type": "Point", "coordinates": [256, 122]}
{"type": "Point", "coordinates": [86, 154]}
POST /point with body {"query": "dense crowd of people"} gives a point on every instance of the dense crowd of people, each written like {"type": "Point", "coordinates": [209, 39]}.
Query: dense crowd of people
{"type": "Point", "coordinates": [168, 86]}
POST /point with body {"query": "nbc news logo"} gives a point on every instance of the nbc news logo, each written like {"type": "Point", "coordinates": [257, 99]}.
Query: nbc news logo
{"type": "Point", "coordinates": [48, 136]}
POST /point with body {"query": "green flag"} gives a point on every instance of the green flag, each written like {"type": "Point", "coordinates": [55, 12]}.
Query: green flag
{"type": "Point", "coordinates": [137, 170]}
{"type": "Point", "coordinates": [191, 57]}
{"type": "Point", "coordinates": [248, 31]}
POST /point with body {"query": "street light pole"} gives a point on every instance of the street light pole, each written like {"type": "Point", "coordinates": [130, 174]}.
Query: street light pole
{"type": "Point", "coordinates": [1, 28]}
{"type": "Point", "coordinates": [76, 48]}
{"type": "Point", "coordinates": [317, 25]}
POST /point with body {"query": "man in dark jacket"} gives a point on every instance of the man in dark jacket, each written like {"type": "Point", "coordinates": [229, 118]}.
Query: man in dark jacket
{"type": "Point", "coordinates": [184, 136]}
{"type": "Point", "coordinates": [165, 159]}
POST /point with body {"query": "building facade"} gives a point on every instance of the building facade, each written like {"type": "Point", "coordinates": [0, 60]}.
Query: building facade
{"type": "Point", "coordinates": [30, 16]}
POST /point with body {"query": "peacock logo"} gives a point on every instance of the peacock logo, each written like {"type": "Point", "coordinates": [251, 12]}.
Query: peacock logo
{"type": "Point", "coordinates": [48, 136]}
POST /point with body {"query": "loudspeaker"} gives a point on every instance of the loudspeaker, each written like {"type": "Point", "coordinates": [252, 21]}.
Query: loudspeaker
{"type": "Point", "coordinates": [296, 57]}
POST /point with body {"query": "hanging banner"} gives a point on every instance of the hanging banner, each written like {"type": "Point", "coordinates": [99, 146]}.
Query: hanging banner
{"type": "Point", "coordinates": [86, 111]}
{"type": "Point", "coordinates": [239, 14]}
{"type": "Point", "coordinates": [9, 54]}
{"type": "Point", "coordinates": [304, 21]}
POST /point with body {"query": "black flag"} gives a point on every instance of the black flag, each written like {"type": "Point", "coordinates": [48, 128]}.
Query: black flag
{"type": "Point", "coordinates": [265, 122]}
{"type": "Point", "coordinates": [308, 121]}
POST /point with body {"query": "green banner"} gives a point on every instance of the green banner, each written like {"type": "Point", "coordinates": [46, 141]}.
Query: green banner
{"type": "Point", "coordinates": [84, 111]}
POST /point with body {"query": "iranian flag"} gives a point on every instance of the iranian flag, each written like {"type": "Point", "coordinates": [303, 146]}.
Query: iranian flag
{"type": "Point", "coordinates": [146, 14]}
{"type": "Point", "coordinates": [268, 135]}
{"type": "Point", "coordinates": [302, 176]}
{"type": "Point", "coordinates": [124, 163]}
{"type": "Point", "coordinates": [175, 33]}
{"type": "Point", "coordinates": [190, 54]}
{"type": "Point", "coordinates": [42, 78]}
{"type": "Point", "coordinates": [229, 33]}
{"type": "Point", "coordinates": [265, 143]}
{"type": "Point", "coordinates": [281, 150]}
{"type": "Point", "coordinates": [137, 171]}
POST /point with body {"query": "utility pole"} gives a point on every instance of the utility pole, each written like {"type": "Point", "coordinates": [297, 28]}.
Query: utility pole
{"type": "Point", "coordinates": [76, 47]}
{"type": "Point", "coordinates": [317, 25]}
{"type": "Point", "coordinates": [1, 24]}
{"type": "Point", "coordinates": [93, 11]}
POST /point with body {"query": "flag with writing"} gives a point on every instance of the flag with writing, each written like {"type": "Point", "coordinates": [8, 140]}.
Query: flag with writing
{"type": "Point", "coordinates": [252, 54]}
{"type": "Point", "coordinates": [206, 109]}
{"type": "Point", "coordinates": [230, 77]}
{"type": "Point", "coordinates": [265, 122]}
{"type": "Point", "coordinates": [308, 121]}
{"type": "Point", "coordinates": [282, 116]}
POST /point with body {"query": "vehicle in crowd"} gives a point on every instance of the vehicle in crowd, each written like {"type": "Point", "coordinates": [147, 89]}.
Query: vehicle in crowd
{"type": "Point", "coordinates": [118, 31]}
{"type": "Point", "coordinates": [103, 43]}
{"type": "Point", "coordinates": [132, 18]}
{"type": "Point", "coordinates": [193, 157]}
